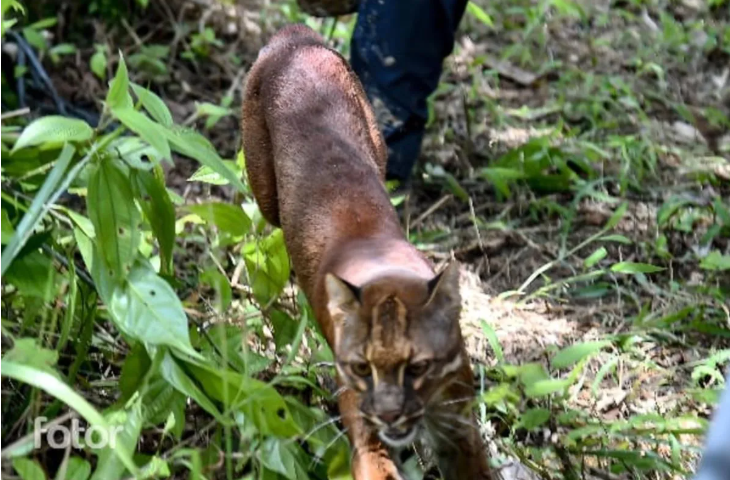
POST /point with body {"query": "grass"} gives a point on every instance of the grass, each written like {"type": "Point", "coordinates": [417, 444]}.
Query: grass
{"type": "Point", "coordinates": [576, 164]}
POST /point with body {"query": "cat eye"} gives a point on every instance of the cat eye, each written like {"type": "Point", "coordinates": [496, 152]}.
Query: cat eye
{"type": "Point", "coordinates": [361, 369]}
{"type": "Point", "coordinates": [418, 368]}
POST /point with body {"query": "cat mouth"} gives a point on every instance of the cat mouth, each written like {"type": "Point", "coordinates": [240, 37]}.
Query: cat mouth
{"type": "Point", "coordinates": [398, 438]}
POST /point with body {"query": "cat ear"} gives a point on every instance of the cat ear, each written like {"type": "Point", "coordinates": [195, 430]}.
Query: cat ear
{"type": "Point", "coordinates": [443, 289]}
{"type": "Point", "coordinates": [342, 296]}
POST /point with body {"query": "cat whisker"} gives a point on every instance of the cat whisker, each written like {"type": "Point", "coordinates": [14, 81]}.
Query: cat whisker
{"type": "Point", "coordinates": [318, 427]}
{"type": "Point", "coordinates": [318, 458]}
{"type": "Point", "coordinates": [443, 417]}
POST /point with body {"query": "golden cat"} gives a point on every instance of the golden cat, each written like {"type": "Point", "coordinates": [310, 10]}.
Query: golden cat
{"type": "Point", "coordinates": [316, 163]}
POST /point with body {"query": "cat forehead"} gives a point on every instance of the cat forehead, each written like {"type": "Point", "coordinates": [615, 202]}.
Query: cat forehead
{"type": "Point", "coordinates": [406, 291]}
{"type": "Point", "coordinates": [388, 340]}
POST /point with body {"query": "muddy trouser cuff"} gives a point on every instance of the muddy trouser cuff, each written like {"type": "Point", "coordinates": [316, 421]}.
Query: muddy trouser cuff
{"type": "Point", "coordinates": [715, 464]}
{"type": "Point", "coordinates": [398, 48]}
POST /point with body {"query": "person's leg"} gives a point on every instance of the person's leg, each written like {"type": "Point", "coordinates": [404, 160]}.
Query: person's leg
{"type": "Point", "coordinates": [397, 51]}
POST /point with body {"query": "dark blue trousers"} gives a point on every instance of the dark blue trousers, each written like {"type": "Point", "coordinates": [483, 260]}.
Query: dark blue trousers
{"type": "Point", "coordinates": [398, 48]}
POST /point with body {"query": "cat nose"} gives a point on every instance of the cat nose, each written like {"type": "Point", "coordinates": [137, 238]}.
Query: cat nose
{"type": "Point", "coordinates": [389, 416]}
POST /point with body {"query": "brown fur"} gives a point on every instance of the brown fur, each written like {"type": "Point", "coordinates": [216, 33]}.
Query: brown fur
{"type": "Point", "coordinates": [315, 161]}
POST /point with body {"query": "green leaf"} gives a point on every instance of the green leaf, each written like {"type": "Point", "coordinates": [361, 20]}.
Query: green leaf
{"type": "Point", "coordinates": [147, 309]}
{"type": "Point", "coordinates": [617, 216]}
{"type": "Point", "coordinates": [477, 12]}
{"type": "Point", "coordinates": [153, 104]}
{"type": "Point", "coordinates": [98, 63]}
{"type": "Point", "coordinates": [26, 351]}
{"type": "Point", "coordinates": [267, 263]}
{"type": "Point", "coordinates": [151, 132]}
{"type": "Point", "coordinates": [493, 340]}
{"type": "Point", "coordinates": [111, 208]}
{"type": "Point", "coordinates": [56, 388]}
{"type": "Point", "coordinates": [34, 38]}
{"type": "Point", "coordinates": [160, 213]}
{"type": "Point", "coordinates": [178, 378]}
{"type": "Point", "coordinates": [134, 370]}
{"type": "Point", "coordinates": [206, 174]}
{"type": "Point", "coordinates": [534, 418]}
{"type": "Point", "coordinates": [604, 370]}
{"type": "Point", "coordinates": [715, 261]}
{"type": "Point", "coordinates": [53, 130]}
{"type": "Point", "coordinates": [502, 178]}
{"type": "Point", "coordinates": [278, 456]}
{"type": "Point", "coordinates": [285, 328]}
{"type": "Point", "coordinates": [191, 144]}
{"type": "Point", "coordinates": [616, 238]}
{"type": "Point", "coordinates": [156, 468]}
{"type": "Point", "coordinates": [632, 267]}
{"type": "Point", "coordinates": [76, 469]}
{"type": "Point", "coordinates": [28, 469]}
{"type": "Point", "coordinates": [595, 257]}
{"type": "Point", "coordinates": [577, 352]}
{"type": "Point", "coordinates": [227, 217]}
{"type": "Point", "coordinates": [118, 96]}
{"type": "Point", "coordinates": [41, 203]}
{"type": "Point", "coordinates": [130, 420]}
{"type": "Point", "coordinates": [34, 275]}
{"type": "Point", "coordinates": [546, 387]}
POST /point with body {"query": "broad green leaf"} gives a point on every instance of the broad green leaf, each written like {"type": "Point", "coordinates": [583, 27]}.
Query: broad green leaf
{"type": "Point", "coordinates": [118, 96]}
{"type": "Point", "coordinates": [178, 378]}
{"type": "Point", "coordinates": [154, 105]}
{"type": "Point", "coordinates": [156, 467]}
{"type": "Point", "coordinates": [53, 130]}
{"type": "Point", "coordinates": [28, 469]}
{"type": "Point", "coordinates": [160, 213]}
{"type": "Point", "coordinates": [26, 351]}
{"type": "Point", "coordinates": [259, 402]}
{"type": "Point", "coordinates": [278, 456]}
{"type": "Point", "coordinates": [130, 420]}
{"type": "Point", "coordinates": [534, 418]}
{"type": "Point", "coordinates": [98, 63]}
{"type": "Point", "coordinates": [146, 308]}
{"type": "Point", "coordinates": [111, 208]}
{"type": "Point", "coordinates": [137, 153]}
{"type": "Point", "coordinates": [227, 217]}
{"type": "Point", "coordinates": [56, 388]}
{"type": "Point", "coordinates": [134, 370]}
{"type": "Point", "coordinates": [632, 267]}
{"type": "Point", "coordinates": [577, 352]}
{"type": "Point", "coordinates": [191, 144]}
{"type": "Point", "coordinates": [206, 174]}
{"type": "Point", "coordinates": [34, 275]}
{"type": "Point", "coordinates": [151, 132]}
{"type": "Point", "coordinates": [595, 257]}
{"type": "Point", "coordinates": [546, 387]}
{"type": "Point", "coordinates": [38, 208]}
{"type": "Point", "coordinates": [478, 12]}
{"type": "Point", "coordinates": [285, 328]}
{"type": "Point", "coordinates": [76, 469]}
{"type": "Point", "coordinates": [267, 263]}
{"type": "Point", "coordinates": [715, 261]}
{"type": "Point", "coordinates": [500, 393]}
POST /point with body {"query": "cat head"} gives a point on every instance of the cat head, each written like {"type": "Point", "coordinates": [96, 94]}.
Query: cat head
{"type": "Point", "coordinates": [397, 342]}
